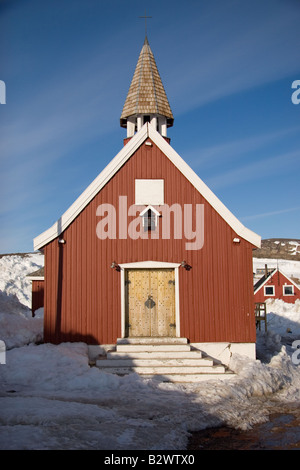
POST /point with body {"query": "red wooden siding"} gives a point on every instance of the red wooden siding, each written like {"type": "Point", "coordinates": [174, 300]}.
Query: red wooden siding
{"type": "Point", "coordinates": [278, 280]}
{"type": "Point", "coordinates": [37, 295]}
{"type": "Point", "coordinates": [82, 292]}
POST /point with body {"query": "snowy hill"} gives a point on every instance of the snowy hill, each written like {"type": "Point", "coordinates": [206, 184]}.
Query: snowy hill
{"type": "Point", "coordinates": [278, 252]}
{"type": "Point", "coordinates": [279, 248]}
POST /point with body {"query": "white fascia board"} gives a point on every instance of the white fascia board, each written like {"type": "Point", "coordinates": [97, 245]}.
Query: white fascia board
{"type": "Point", "coordinates": [92, 190]}
{"type": "Point", "coordinates": [204, 190]}
{"type": "Point", "coordinates": [35, 278]}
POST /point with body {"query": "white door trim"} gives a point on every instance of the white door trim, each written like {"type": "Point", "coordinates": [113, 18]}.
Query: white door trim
{"type": "Point", "coordinates": [150, 265]}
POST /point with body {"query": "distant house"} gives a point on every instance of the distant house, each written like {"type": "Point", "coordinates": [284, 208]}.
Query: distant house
{"type": "Point", "coordinates": [276, 285]}
{"type": "Point", "coordinates": [37, 279]}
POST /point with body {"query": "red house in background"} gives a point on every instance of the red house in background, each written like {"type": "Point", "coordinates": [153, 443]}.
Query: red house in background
{"type": "Point", "coordinates": [37, 290]}
{"type": "Point", "coordinates": [148, 250]}
{"type": "Point", "coordinates": [276, 285]}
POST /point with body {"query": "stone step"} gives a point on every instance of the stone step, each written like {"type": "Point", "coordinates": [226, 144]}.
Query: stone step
{"type": "Point", "coordinates": [152, 347]}
{"type": "Point", "coordinates": [152, 340]}
{"type": "Point", "coordinates": [167, 362]}
{"type": "Point", "coordinates": [166, 370]}
{"type": "Point", "coordinates": [155, 355]}
{"type": "Point", "coordinates": [190, 378]}
{"type": "Point", "coordinates": [163, 359]}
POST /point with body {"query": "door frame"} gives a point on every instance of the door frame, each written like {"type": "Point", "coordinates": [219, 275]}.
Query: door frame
{"type": "Point", "coordinates": [150, 265]}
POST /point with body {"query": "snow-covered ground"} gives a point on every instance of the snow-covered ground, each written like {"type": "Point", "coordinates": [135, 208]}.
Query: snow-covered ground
{"type": "Point", "coordinates": [50, 398]}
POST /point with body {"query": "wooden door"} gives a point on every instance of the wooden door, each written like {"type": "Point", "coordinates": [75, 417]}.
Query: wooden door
{"type": "Point", "coordinates": [150, 302]}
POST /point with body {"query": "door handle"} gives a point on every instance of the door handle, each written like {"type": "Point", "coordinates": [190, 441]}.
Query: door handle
{"type": "Point", "coordinates": [150, 302]}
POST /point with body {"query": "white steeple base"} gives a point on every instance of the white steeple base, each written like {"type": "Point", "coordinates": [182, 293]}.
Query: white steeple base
{"type": "Point", "coordinates": [136, 122]}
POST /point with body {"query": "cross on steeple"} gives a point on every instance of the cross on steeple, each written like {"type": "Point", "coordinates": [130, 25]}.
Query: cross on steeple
{"type": "Point", "coordinates": [145, 21]}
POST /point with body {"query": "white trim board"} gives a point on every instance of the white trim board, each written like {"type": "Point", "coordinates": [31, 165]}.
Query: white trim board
{"type": "Point", "coordinates": [120, 159]}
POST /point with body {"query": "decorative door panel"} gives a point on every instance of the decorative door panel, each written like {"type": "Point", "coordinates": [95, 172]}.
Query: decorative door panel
{"type": "Point", "coordinates": [150, 302]}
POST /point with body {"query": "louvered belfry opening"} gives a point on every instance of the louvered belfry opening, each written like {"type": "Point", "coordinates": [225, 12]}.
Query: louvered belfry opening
{"type": "Point", "coordinates": [149, 220]}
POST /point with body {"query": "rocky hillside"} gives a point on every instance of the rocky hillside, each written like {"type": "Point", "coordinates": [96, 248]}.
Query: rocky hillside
{"type": "Point", "coordinates": [279, 248]}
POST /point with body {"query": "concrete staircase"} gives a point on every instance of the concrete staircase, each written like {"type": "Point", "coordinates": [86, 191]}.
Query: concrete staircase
{"type": "Point", "coordinates": [168, 359]}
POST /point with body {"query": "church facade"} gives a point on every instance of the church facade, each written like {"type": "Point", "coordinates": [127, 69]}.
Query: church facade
{"type": "Point", "coordinates": [148, 250]}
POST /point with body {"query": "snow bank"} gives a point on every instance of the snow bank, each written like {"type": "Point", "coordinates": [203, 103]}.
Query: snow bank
{"type": "Point", "coordinates": [17, 327]}
{"type": "Point", "coordinates": [13, 272]}
{"type": "Point", "coordinates": [282, 317]}
{"type": "Point", "coordinates": [51, 368]}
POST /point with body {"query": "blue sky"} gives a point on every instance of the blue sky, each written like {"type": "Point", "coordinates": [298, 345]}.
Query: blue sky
{"type": "Point", "coordinates": [227, 67]}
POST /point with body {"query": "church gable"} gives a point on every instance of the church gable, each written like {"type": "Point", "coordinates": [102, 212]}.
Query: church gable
{"type": "Point", "coordinates": [148, 168]}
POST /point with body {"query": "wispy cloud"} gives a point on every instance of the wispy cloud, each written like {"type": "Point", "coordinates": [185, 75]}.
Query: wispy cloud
{"type": "Point", "coordinates": [270, 214]}
{"type": "Point", "coordinates": [236, 149]}
{"type": "Point", "coordinates": [255, 171]}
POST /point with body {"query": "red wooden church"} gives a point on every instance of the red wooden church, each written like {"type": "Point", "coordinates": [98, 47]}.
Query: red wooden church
{"type": "Point", "coordinates": [148, 249]}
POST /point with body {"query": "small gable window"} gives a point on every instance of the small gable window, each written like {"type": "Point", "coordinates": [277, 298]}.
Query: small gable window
{"type": "Point", "coordinates": [150, 218]}
{"type": "Point", "coordinates": [269, 290]}
{"type": "Point", "coordinates": [288, 290]}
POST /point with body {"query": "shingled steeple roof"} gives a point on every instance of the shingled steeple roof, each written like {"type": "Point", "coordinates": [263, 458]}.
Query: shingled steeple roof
{"type": "Point", "coordinates": [146, 94]}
